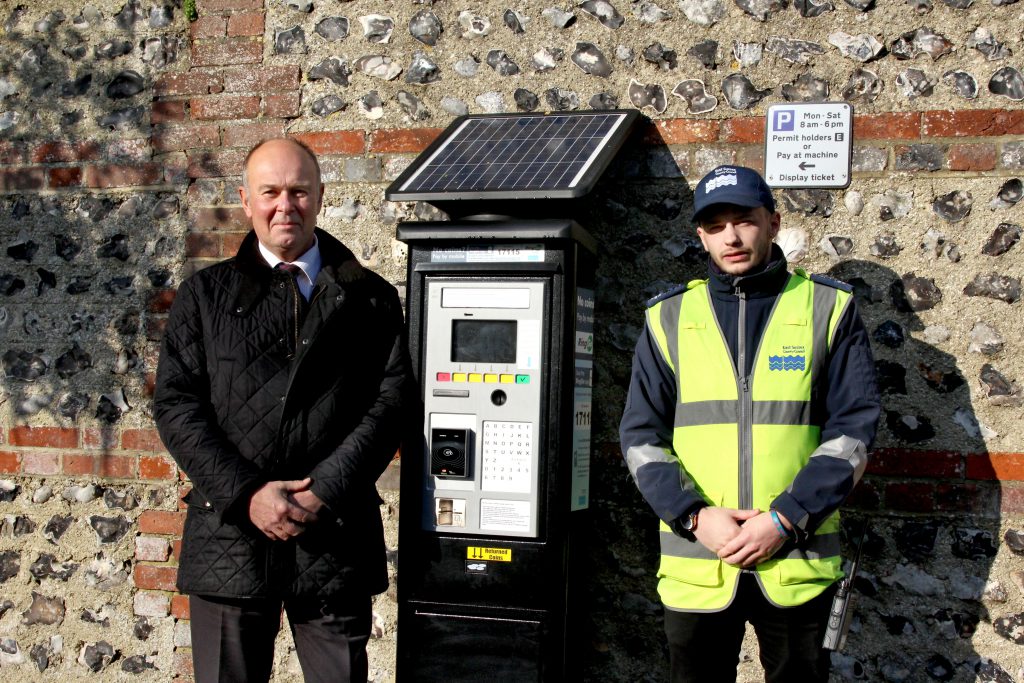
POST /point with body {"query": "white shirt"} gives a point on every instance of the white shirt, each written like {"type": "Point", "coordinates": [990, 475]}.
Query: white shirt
{"type": "Point", "coordinates": [308, 262]}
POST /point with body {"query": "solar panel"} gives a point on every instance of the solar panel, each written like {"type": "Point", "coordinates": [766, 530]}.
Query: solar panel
{"type": "Point", "coordinates": [516, 156]}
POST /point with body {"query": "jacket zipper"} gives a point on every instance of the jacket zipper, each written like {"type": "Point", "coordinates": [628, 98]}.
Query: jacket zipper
{"type": "Point", "coordinates": [745, 426]}
{"type": "Point", "coordinates": [295, 316]}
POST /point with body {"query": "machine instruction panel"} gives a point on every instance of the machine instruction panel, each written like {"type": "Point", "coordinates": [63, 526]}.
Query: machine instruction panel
{"type": "Point", "coordinates": [483, 382]}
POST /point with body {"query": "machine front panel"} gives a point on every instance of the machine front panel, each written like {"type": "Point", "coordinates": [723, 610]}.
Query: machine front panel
{"type": "Point", "coordinates": [483, 378]}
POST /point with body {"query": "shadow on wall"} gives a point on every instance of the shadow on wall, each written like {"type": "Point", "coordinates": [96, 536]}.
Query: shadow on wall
{"type": "Point", "coordinates": [83, 265]}
{"type": "Point", "coordinates": [639, 215]}
{"type": "Point", "coordinates": [923, 575]}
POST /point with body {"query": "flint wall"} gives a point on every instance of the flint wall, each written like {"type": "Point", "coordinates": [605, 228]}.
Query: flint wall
{"type": "Point", "coordinates": [122, 128]}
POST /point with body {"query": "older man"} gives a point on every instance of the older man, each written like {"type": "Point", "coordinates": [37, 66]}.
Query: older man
{"type": "Point", "coordinates": [281, 390]}
{"type": "Point", "coordinates": [751, 408]}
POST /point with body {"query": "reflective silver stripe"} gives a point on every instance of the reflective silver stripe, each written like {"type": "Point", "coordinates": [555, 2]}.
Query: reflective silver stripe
{"type": "Point", "coordinates": [638, 456]}
{"type": "Point", "coordinates": [845, 448]}
{"type": "Point", "coordinates": [677, 546]}
{"type": "Point", "coordinates": [706, 413]}
{"type": "Point", "coordinates": [727, 412]}
{"type": "Point", "coordinates": [818, 547]}
{"type": "Point", "coordinates": [824, 302]}
{"type": "Point", "coordinates": [782, 412]}
{"type": "Point", "coordinates": [669, 319]}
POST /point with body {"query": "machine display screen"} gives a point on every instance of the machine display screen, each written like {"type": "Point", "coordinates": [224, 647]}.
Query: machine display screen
{"type": "Point", "coordinates": [484, 341]}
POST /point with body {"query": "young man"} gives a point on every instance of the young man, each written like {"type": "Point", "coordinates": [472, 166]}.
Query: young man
{"type": "Point", "coordinates": [281, 391]}
{"type": "Point", "coordinates": [751, 407]}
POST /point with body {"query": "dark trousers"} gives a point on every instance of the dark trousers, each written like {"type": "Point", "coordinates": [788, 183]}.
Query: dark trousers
{"type": "Point", "coordinates": [233, 639]}
{"type": "Point", "coordinates": [705, 647]}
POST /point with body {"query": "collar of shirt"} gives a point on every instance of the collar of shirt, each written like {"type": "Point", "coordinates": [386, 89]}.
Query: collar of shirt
{"type": "Point", "coordinates": [309, 262]}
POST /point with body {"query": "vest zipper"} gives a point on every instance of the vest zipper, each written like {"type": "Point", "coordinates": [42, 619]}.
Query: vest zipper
{"type": "Point", "coordinates": [745, 426]}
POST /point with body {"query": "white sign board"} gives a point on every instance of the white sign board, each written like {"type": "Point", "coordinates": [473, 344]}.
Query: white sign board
{"type": "Point", "coordinates": [808, 145]}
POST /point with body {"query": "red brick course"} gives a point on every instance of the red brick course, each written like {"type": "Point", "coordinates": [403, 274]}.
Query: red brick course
{"type": "Point", "coordinates": [114, 175]}
{"type": "Point", "coordinates": [180, 607]}
{"type": "Point", "coordinates": [13, 153]}
{"type": "Point", "coordinates": [142, 439]}
{"type": "Point", "coordinates": [747, 129]}
{"type": "Point", "coordinates": [246, 24]}
{"type": "Point", "coordinates": [47, 437]}
{"type": "Point", "coordinates": [905, 462]}
{"type": "Point", "coordinates": [285, 105]}
{"type": "Point", "coordinates": [1001, 466]}
{"type": "Point", "coordinates": [972, 157]}
{"type": "Point", "coordinates": [65, 177]}
{"type": "Point", "coordinates": [232, 241]}
{"type": "Point", "coordinates": [208, 26]}
{"type": "Point", "coordinates": [156, 467]}
{"type": "Point", "coordinates": [34, 462]}
{"type": "Point", "coordinates": [203, 245]}
{"type": "Point", "coordinates": [909, 497]}
{"type": "Point", "coordinates": [218, 218]}
{"type": "Point", "coordinates": [681, 131]}
{"type": "Point", "coordinates": [973, 123]}
{"type": "Point", "coordinates": [162, 522]}
{"type": "Point", "coordinates": [216, 107]}
{"type": "Point", "coordinates": [334, 142]}
{"type": "Point", "coordinates": [902, 126]}
{"type": "Point", "coordinates": [187, 83]}
{"type": "Point", "coordinates": [247, 135]}
{"type": "Point", "coordinates": [397, 140]}
{"type": "Point", "coordinates": [57, 152]}
{"type": "Point", "coordinates": [180, 138]}
{"type": "Point", "coordinates": [167, 111]}
{"type": "Point", "coordinates": [10, 462]}
{"type": "Point", "coordinates": [226, 51]}
{"type": "Point", "coordinates": [221, 5]}
{"type": "Point", "coordinates": [216, 164]}
{"type": "Point", "coordinates": [154, 577]}
{"type": "Point", "coordinates": [22, 179]}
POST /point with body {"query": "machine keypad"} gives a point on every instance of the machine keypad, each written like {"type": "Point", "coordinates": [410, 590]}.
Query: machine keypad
{"type": "Point", "coordinates": [507, 452]}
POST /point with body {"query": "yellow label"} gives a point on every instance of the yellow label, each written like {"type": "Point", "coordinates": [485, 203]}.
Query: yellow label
{"type": "Point", "coordinates": [489, 554]}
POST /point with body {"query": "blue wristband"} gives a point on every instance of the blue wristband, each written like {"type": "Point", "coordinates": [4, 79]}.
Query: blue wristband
{"type": "Point", "coordinates": [778, 524]}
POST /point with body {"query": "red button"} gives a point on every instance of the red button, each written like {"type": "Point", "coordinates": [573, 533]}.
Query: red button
{"type": "Point", "coordinates": [444, 377]}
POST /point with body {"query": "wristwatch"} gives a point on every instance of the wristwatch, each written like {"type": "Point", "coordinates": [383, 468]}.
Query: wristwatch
{"type": "Point", "coordinates": [690, 521]}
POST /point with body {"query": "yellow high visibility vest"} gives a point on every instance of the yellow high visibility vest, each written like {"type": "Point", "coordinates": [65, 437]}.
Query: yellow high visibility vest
{"type": "Point", "coordinates": [743, 442]}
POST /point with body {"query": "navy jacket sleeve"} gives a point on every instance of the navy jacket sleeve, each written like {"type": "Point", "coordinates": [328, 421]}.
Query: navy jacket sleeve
{"type": "Point", "coordinates": [851, 406]}
{"type": "Point", "coordinates": [646, 430]}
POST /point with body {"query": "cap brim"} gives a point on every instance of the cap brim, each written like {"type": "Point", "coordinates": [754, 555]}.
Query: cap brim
{"type": "Point", "coordinates": [741, 200]}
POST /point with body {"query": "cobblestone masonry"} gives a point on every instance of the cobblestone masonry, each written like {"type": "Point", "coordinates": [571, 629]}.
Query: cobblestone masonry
{"type": "Point", "coordinates": [122, 127]}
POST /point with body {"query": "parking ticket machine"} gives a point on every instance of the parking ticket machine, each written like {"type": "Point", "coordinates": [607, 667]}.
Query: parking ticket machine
{"type": "Point", "coordinates": [501, 328]}
{"type": "Point", "coordinates": [500, 312]}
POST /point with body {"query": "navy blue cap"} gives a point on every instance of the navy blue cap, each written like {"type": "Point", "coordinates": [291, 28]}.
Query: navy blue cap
{"type": "Point", "coordinates": [737, 185]}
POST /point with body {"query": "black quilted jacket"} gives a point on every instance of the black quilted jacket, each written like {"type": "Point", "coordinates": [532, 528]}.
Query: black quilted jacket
{"type": "Point", "coordinates": [248, 392]}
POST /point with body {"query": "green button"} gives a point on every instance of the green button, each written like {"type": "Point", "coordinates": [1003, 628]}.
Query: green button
{"type": "Point", "coordinates": [522, 379]}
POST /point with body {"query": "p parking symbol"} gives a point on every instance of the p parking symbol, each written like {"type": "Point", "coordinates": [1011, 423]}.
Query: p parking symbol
{"type": "Point", "coordinates": [783, 120]}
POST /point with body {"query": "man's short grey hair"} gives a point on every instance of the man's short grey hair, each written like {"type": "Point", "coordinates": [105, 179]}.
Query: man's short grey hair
{"type": "Point", "coordinates": [298, 143]}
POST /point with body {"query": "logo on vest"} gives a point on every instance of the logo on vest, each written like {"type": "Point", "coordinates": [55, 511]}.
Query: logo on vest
{"type": "Point", "coordinates": [787, 362]}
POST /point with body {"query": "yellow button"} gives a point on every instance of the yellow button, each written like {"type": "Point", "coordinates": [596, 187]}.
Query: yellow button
{"type": "Point", "coordinates": [476, 377]}
{"type": "Point", "coordinates": [508, 379]}
{"type": "Point", "coordinates": [491, 379]}
{"type": "Point", "coordinates": [458, 377]}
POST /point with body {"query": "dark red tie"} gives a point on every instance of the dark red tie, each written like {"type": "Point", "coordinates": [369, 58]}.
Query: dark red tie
{"type": "Point", "coordinates": [289, 268]}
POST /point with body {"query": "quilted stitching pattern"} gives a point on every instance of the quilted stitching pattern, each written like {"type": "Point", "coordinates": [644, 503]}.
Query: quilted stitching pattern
{"type": "Point", "coordinates": [240, 401]}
